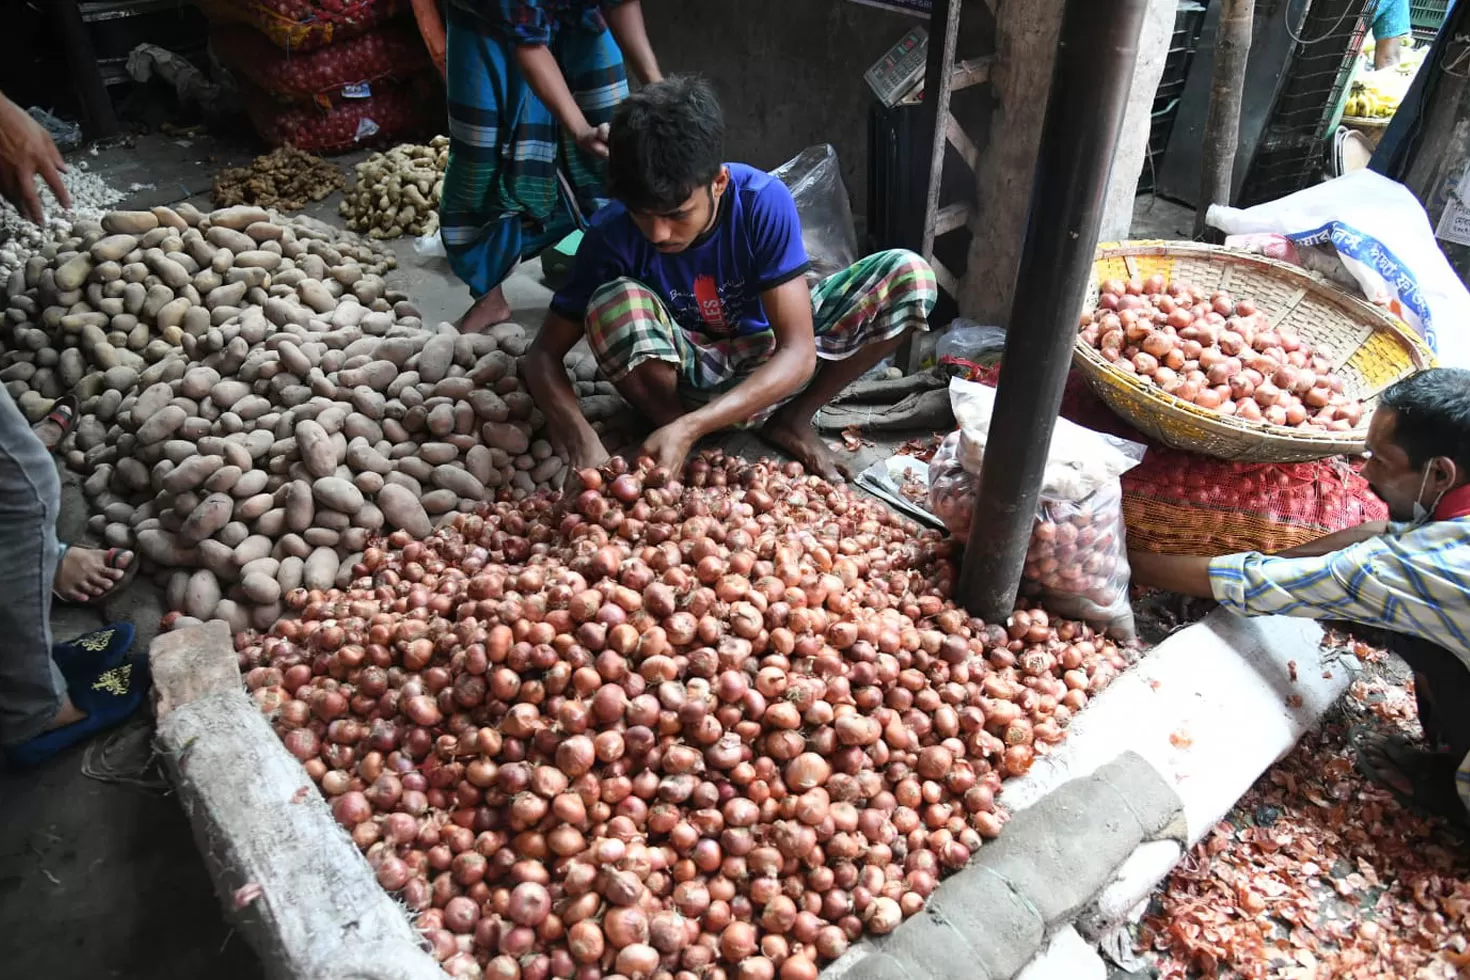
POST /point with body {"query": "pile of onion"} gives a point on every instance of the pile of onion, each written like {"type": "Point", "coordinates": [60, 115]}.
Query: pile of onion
{"type": "Point", "coordinates": [714, 727]}
{"type": "Point", "coordinates": [1218, 352]}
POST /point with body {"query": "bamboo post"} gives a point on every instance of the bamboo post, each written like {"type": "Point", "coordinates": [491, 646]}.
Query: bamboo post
{"type": "Point", "coordinates": [1222, 125]}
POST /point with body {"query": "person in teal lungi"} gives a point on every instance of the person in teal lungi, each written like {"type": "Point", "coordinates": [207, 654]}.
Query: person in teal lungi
{"type": "Point", "coordinates": [532, 85]}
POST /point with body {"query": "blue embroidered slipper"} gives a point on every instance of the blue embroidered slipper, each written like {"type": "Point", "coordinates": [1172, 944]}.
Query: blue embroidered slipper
{"type": "Point", "coordinates": [108, 695]}
{"type": "Point", "coordinates": [88, 655]}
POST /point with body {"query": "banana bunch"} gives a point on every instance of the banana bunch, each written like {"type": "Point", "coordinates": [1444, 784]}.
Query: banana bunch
{"type": "Point", "coordinates": [1376, 94]}
{"type": "Point", "coordinates": [1365, 104]}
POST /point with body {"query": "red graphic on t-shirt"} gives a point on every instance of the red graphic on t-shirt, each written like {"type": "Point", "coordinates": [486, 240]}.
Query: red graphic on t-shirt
{"type": "Point", "coordinates": [711, 310]}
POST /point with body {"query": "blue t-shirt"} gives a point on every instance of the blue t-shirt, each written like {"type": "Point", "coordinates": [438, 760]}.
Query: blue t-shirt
{"type": "Point", "coordinates": [714, 286]}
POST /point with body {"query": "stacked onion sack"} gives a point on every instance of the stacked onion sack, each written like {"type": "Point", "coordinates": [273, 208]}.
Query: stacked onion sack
{"type": "Point", "coordinates": [325, 78]}
{"type": "Point", "coordinates": [1218, 352]}
{"type": "Point", "coordinates": [717, 726]}
{"type": "Point", "coordinates": [255, 403]}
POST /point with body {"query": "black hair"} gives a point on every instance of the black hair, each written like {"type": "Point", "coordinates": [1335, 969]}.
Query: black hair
{"type": "Point", "coordinates": [667, 140]}
{"type": "Point", "coordinates": [1432, 415]}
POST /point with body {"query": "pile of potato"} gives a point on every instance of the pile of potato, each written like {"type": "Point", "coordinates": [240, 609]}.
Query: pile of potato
{"type": "Point", "coordinates": [256, 403]}
{"type": "Point", "coordinates": [397, 192]}
{"type": "Point", "coordinates": [285, 178]}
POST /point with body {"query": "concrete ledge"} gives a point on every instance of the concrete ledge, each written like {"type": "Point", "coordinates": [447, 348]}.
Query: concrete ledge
{"type": "Point", "coordinates": [1145, 771]}
{"type": "Point", "coordinates": [288, 877]}
{"type": "Point", "coordinates": [1067, 957]}
{"type": "Point", "coordinates": [990, 919]}
{"type": "Point", "coordinates": [1210, 709]}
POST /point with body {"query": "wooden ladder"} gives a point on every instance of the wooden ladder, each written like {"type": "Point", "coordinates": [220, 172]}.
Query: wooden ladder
{"type": "Point", "coordinates": [943, 76]}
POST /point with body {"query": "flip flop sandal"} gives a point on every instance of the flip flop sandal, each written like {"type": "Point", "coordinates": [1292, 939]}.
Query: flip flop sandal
{"type": "Point", "coordinates": [63, 415]}
{"type": "Point", "coordinates": [110, 560]}
{"type": "Point", "coordinates": [1416, 766]}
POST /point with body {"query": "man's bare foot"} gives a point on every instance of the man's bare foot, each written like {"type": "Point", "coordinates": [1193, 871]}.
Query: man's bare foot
{"type": "Point", "coordinates": [1415, 776]}
{"type": "Point", "coordinates": [801, 441]}
{"type": "Point", "coordinates": [83, 574]}
{"type": "Point", "coordinates": [488, 310]}
{"type": "Point", "coordinates": [69, 714]}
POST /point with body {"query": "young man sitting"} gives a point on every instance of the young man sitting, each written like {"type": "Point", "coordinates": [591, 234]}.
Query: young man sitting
{"type": "Point", "coordinates": [691, 290]}
{"type": "Point", "coordinates": [1404, 585]}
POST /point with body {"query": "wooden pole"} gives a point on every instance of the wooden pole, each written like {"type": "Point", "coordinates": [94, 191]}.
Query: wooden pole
{"type": "Point", "coordinates": [1025, 52]}
{"type": "Point", "coordinates": [1222, 125]}
{"type": "Point", "coordinates": [1096, 52]}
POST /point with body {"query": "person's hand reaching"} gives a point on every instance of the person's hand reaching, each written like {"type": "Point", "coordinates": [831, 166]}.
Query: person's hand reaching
{"type": "Point", "coordinates": [593, 139]}
{"type": "Point", "coordinates": [670, 445]}
{"type": "Point", "coordinates": [26, 150]}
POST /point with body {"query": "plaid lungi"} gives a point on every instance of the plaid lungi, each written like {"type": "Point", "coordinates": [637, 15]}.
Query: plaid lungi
{"type": "Point", "coordinates": [875, 299]}
{"type": "Point", "coordinates": [501, 200]}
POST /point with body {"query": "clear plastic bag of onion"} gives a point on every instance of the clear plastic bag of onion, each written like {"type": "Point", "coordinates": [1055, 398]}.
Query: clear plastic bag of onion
{"type": "Point", "coordinates": [1076, 563]}
{"type": "Point", "coordinates": [1219, 352]}
{"type": "Point", "coordinates": [723, 721]}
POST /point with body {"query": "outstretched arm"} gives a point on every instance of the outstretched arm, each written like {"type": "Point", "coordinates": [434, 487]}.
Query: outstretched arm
{"type": "Point", "coordinates": [626, 22]}
{"type": "Point", "coordinates": [1190, 574]}
{"type": "Point", "coordinates": [545, 375]}
{"type": "Point", "coordinates": [544, 76]}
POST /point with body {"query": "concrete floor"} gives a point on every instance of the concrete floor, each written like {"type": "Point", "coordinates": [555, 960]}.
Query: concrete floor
{"type": "Point", "coordinates": [102, 879]}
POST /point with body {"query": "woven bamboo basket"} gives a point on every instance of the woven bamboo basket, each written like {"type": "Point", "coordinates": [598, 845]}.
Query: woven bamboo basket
{"type": "Point", "coordinates": [1369, 349]}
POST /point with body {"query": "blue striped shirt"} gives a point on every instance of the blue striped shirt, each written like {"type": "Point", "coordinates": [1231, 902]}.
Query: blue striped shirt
{"type": "Point", "coordinates": [1411, 580]}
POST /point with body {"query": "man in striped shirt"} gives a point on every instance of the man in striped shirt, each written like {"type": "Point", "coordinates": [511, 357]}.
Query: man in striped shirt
{"type": "Point", "coordinates": [1403, 584]}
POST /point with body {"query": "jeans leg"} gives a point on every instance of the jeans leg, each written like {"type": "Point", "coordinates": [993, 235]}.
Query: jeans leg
{"type": "Point", "coordinates": [31, 686]}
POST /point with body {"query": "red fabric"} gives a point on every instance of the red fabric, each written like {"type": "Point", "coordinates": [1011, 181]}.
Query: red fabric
{"type": "Point", "coordinates": [1185, 503]}
{"type": "Point", "coordinates": [1454, 504]}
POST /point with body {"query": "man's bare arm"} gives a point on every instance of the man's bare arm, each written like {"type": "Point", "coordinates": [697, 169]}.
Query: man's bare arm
{"type": "Point", "coordinates": [1336, 541]}
{"type": "Point", "coordinates": [1186, 574]}
{"type": "Point", "coordinates": [1190, 574]}
{"type": "Point", "coordinates": [544, 373]}
{"type": "Point", "coordinates": [626, 22]}
{"type": "Point", "coordinates": [543, 74]}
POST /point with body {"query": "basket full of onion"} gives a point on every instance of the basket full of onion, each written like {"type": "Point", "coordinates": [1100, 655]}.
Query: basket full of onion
{"type": "Point", "coordinates": [1235, 355]}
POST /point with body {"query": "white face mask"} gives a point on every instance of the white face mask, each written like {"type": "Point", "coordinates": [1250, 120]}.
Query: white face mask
{"type": "Point", "coordinates": [1420, 513]}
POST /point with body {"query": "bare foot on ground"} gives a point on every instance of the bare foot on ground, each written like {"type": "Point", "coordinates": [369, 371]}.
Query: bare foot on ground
{"type": "Point", "coordinates": [82, 574]}
{"type": "Point", "coordinates": [488, 310]}
{"type": "Point", "coordinates": [807, 448]}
